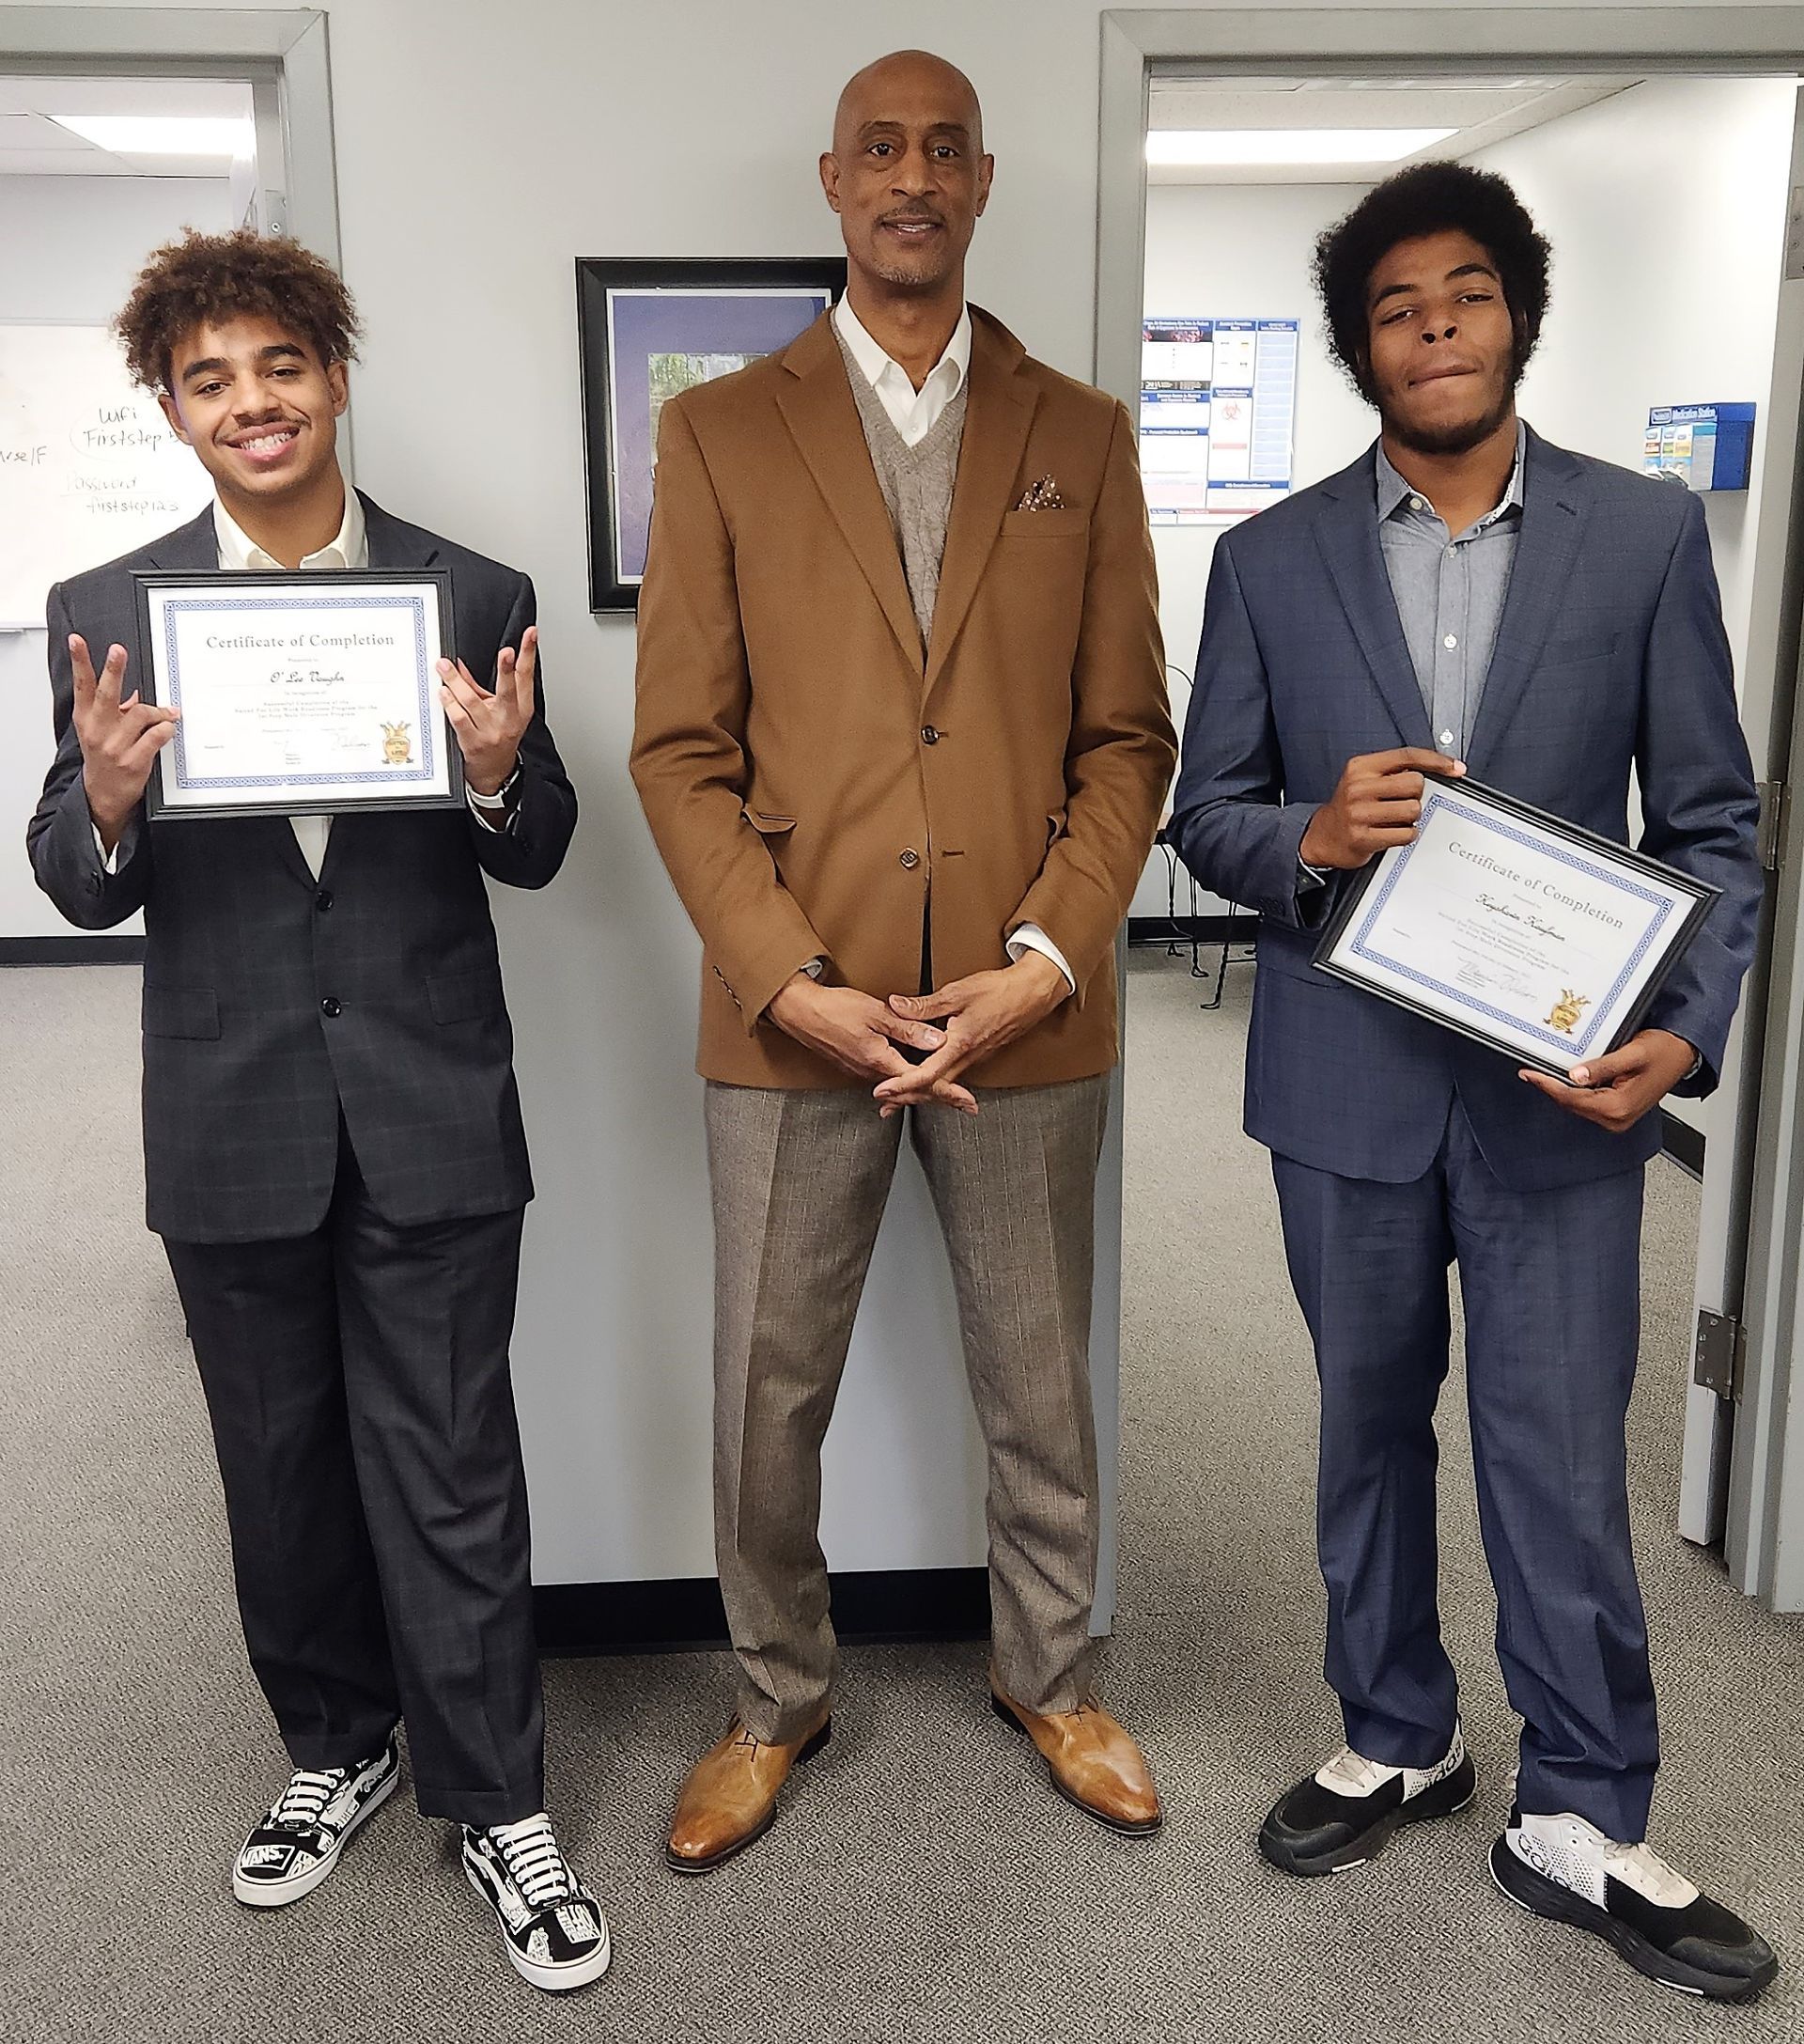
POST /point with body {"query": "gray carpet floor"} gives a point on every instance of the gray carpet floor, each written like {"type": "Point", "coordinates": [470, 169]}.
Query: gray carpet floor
{"type": "Point", "coordinates": [925, 1886]}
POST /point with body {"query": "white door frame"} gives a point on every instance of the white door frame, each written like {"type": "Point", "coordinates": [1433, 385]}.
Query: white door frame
{"type": "Point", "coordinates": [1751, 1255]}
{"type": "Point", "coordinates": [288, 44]}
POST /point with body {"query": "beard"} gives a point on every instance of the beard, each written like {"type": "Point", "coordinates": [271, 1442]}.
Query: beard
{"type": "Point", "coordinates": [1460, 436]}
{"type": "Point", "coordinates": [900, 276]}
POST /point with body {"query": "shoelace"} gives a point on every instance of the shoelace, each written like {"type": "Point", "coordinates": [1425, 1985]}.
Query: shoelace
{"type": "Point", "coordinates": [535, 1866]}
{"type": "Point", "coordinates": [1352, 1774]}
{"type": "Point", "coordinates": [305, 1796]}
{"type": "Point", "coordinates": [1639, 1867]}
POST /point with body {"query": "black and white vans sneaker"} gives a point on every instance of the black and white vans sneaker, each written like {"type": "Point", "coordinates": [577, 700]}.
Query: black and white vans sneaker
{"type": "Point", "coordinates": [297, 1844]}
{"type": "Point", "coordinates": [1565, 1868]}
{"type": "Point", "coordinates": [1340, 1815]}
{"type": "Point", "coordinates": [555, 1933]}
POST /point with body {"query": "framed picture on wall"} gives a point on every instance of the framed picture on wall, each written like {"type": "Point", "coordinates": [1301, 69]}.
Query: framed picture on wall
{"type": "Point", "coordinates": [648, 330]}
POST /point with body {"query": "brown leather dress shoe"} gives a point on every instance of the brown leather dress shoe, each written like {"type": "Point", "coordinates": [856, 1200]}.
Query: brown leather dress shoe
{"type": "Point", "coordinates": [730, 1798]}
{"type": "Point", "coordinates": [1093, 1762]}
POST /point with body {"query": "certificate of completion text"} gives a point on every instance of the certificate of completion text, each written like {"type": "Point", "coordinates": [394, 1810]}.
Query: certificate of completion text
{"type": "Point", "coordinates": [1524, 936]}
{"type": "Point", "coordinates": [325, 696]}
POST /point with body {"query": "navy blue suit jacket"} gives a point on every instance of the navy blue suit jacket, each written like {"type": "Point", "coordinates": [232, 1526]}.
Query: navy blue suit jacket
{"type": "Point", "coordinates": [244, 1077]}
{"type": "Point", "coordinates": [1610, 659]}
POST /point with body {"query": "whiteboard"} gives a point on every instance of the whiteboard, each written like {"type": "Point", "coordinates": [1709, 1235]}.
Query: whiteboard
{"type": "Point", "coordinates": [88, 467]}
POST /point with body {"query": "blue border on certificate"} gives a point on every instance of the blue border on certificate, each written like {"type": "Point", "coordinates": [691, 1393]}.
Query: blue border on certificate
{"type": "Point", "coordinates": [425, 773]}
{"type": "Point", "coordinates": [1605, 1009]}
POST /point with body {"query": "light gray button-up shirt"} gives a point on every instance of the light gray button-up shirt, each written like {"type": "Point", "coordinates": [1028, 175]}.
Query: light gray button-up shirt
{"type": "Point", "coordinates": [1450, 589]}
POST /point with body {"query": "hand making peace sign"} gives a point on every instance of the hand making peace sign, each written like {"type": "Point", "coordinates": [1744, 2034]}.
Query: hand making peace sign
{"type": "Point", "coordinates": [490, 724]}
{"type": "Point", "coordinates": [119, 740]}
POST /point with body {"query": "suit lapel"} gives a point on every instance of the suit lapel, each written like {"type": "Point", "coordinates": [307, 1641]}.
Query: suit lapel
{"type": "Point", "coordinates": [822, 417]}
{"type": "Point", "coordinates": [1554, 506]}
{"type": "Point", "coordinates": [191, 549]}
{"type": "Point", "coordinates": [999, 412]}
{"type": "Point", "coordinates": [1347, 531]}
{"type": "Point", "coordinates": [393, 544]}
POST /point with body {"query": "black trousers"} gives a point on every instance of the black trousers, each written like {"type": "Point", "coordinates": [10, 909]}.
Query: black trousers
{"type": "Point", "coordinates": [358, 1386]}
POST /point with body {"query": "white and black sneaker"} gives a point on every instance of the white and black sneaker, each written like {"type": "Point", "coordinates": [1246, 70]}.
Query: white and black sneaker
{"type": "Point", "coordinates": [1565, 1868]}
{"type": "Point", "coordinates": [1340, 1815]}
{"type": "Point", "coordinates": [554, 1927]}
{"type": "Point", "coordinates": [297, 1844]}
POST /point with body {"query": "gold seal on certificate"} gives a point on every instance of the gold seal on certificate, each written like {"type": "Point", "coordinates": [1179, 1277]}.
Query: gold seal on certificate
{"type": "Point", "coordinates": [1519, 931]}
{"type": "Point", "coordinates": [299, 693]}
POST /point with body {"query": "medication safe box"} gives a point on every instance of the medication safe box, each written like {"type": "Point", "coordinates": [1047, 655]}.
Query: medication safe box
{"type": "Point", "coordinates": [1706, 446]}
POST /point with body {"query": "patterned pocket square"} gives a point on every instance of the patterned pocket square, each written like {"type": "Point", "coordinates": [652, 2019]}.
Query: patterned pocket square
{"type": "Point", "coordinates": [1042, 496]}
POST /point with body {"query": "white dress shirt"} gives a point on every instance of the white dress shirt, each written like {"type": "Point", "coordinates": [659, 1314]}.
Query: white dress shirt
{"type": "Point", "coordinates": [914, 414]}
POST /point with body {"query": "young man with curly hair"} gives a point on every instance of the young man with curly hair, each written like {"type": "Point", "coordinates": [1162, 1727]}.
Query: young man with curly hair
{"type": "Point", "coordinates": [1469, 597]}
{"type": "Point", "coordinates": [333, 1151]}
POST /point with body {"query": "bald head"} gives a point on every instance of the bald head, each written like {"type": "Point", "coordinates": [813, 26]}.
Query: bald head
{"type": "Point", "coordinates": [906, 79]}
{"type": "Point", "coordinates": [907, 176]}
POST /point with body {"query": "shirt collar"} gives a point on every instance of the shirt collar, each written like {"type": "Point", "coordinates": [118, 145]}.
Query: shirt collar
{"type": "Point", "coordinates": [238, 550]}
{"type": "Point", "coordinates": [875, 364]}
{"type": "Point", "coordinates": [1393, 491]}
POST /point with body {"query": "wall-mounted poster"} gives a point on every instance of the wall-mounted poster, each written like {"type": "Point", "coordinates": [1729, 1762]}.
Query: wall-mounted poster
{"type": "Point", "coordinates": [648, 330]}
{"type": "Point", "coordinates": [1218, 403]}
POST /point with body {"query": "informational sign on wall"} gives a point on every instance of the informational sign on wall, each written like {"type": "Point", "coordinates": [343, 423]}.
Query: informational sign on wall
{"type": "Point", "coordinates": [88, 468]}
{"type": "Point", "coordinates": [1707, 446]}
{"type": "Point", "coordinates": [1217, 409]}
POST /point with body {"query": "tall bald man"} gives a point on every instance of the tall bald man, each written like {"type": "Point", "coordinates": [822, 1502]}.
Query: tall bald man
{"type": "Point", "coordinates": [902, 740]}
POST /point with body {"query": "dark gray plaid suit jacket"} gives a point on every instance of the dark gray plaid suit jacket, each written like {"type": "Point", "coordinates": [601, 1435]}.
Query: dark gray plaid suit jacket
{"type": "Point", "coordinates": [1611, 662]}
{"type": "Point", "coordinates": [245, 1071]}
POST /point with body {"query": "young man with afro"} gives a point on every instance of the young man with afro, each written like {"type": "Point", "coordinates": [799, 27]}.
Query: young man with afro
{"type": "Point", "coordinates": [1469, 597]}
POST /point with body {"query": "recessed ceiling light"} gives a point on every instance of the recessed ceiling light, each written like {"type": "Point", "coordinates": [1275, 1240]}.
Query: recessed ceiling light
{"type": "Point", "coordinates": [1203, 147]}
{"type": "Point", "coordinates": [162, 134]}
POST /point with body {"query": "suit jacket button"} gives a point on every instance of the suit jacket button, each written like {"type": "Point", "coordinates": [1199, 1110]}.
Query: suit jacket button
{"type": "Point", "coordinates": [910, 859]}
{"type": "Point", "coordinates": [332, 1005]}
{"type": "Point", "coordinates": [322, 900]}
{"type": "Point", "coordinates": [929, 736]}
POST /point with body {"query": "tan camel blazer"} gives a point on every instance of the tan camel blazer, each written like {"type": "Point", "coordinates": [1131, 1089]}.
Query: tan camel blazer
{"type": "Point", "coordinates": [816, 780]}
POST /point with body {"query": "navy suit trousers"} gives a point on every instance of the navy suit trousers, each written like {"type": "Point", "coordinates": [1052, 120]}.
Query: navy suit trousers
{"type": "Point", "coordinates": [1550, 1282]}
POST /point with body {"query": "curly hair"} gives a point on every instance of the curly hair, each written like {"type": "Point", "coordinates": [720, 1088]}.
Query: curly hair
{"type": "Point", "coordinates": [1430, 198]}
{"type": "Point", "coordinates": [206, 278]}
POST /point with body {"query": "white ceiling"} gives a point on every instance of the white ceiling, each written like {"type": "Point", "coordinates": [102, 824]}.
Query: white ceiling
{"type": "Point", "coordinates": [33, 146]}
{"type": "Point", "coordinates": [1479, 109]}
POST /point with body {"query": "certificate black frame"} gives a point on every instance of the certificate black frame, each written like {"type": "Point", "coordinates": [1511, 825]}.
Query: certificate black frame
{"type": "Point", "coordinates": [158, 810]}
{"type": "Point", "coordinates": [596, 276]}
{"type": "Point", "coordinates": [1703, 896]}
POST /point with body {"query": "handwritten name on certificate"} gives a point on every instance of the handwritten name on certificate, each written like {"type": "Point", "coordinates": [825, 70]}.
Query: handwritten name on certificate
{"type": "Point", "coordinates": [1512, 927]}
{"type": "Point", "coordinates": [314, 692]}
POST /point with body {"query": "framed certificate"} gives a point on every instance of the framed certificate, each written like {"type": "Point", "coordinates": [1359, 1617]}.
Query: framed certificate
{"type": "Point", "coordinates": [1515, 929]}
{"type": "Point", "coordinates": [299, 693]}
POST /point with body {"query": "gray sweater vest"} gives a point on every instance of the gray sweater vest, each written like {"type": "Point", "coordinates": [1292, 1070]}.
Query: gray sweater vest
{"type": "Point", "coordinates": [916, 484]}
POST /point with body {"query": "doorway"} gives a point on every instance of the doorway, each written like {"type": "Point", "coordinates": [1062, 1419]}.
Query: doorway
{"type": "Point", "coordinates": [1663, 176]}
